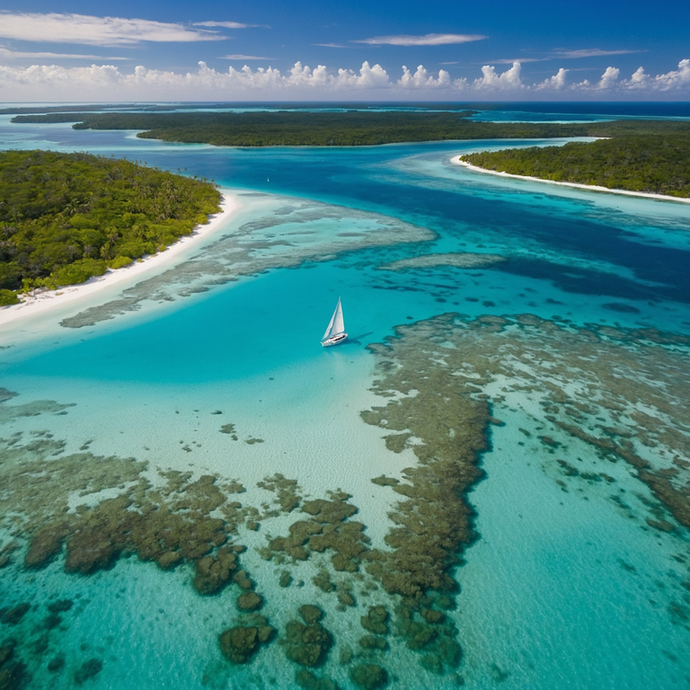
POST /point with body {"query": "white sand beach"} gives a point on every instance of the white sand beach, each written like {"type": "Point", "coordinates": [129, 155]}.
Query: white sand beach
{"type": "Point", "coordinates": [592, 188]}
{"type": "Point", "coordinates": [40, 301]}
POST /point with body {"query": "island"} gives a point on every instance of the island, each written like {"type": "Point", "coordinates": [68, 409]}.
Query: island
{"type": "Point", "coordinates": [67, 217]}
{"type": "Point", "coordinates": [348, 128]}
{"type": "Point", "coordinates": [645, 163]}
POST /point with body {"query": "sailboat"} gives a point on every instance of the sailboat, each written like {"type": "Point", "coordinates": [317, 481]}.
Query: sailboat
{"type": "Point", "coordinates": [335, 333]}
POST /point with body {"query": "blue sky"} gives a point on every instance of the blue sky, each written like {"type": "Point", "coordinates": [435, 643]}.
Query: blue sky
{"type": "Point", "coordinates": [385, 50]}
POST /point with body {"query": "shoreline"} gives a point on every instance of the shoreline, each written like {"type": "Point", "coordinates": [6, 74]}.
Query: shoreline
{"type": "Point", "coordinates": [574, 185]}
{"type": "Point", "coordinates": [39, 301]}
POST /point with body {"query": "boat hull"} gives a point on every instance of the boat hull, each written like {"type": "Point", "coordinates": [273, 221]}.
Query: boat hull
{"type": "Point", "coordinates": [334, 340]}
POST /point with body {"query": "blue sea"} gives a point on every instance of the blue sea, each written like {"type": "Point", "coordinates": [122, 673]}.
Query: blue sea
{"type": "Point", "coordinates": [567, 311]}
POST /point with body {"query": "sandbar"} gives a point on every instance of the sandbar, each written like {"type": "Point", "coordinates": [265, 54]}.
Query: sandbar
{"type": "Point", "coordinates": [43, 300]}
{"type": "Point", "coordinates": [589, 187]}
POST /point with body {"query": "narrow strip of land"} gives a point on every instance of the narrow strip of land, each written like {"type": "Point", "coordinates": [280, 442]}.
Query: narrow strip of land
{"type": "Point", "coordinates": [576, 185]}
{"type": "Point", "coordinates": [644, 162]}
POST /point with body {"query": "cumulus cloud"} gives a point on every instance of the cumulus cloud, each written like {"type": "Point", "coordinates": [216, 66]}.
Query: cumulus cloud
{"type": "Point", "coordinates": [639, 80]}
{"type": "Point", "coordinates": [422, 79]}
{"type": "Point", "coordinates": [426, 40]}
{"type": "Point", "coordinates": [677, 79]}
{"type": "Point", "coordinates": [555, 83]}
{"type": "Point", "coordinates": [108, 82]}
{"type": "Point", "coordinates": [87, 30]}
{"type": "Point", "coordinates": [609, 78]}
{"type": "Point", "coordinates": [507, 81]}
{"type": "Point", "coordinates": [368, 78]}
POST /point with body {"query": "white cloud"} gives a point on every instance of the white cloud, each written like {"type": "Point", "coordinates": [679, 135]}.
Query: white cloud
{"type": "Point", "coordinates": [555, 83]}
{"type": "Point", "coordinates": [368, 78]}
{"type": "Point", "coordinates": [609, 78]}
{"type": "Point", "coordinates": [109, 83]}
{"type": "Point", "coordinates": [6, 54]}
{"type": "Point", "coordinates": [226, 25]}
{"type": "Point", "coordinates": [86, 30]}
{"type": "Point", "coordinates": [591, 52]}
{"type": "Point", "coordinates": [510, 61]}
{"type": "Point", "coordinates": [421, 79]}
{"type": "Point", "coordinates": [639, 80]}
{"type": "Point", "coordinates": [426, 40]}
{"type": "Point", "coordinates": [508, 81]}
{"type": "Point", "coordinates": [677, 79]}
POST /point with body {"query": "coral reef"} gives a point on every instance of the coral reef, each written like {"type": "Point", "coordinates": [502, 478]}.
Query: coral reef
{"type": "Point", "coordinates": [463, 260]}
{"type": "Point", "coordinates": [307, 643]}
{"type": "Point", "coordinates": [309, 681]}
{"type": "Point", "coordinates": [250, 601]}
{"type": "Point", "coordinates": [89, 669]}
{"type": "Point", "coordinates": [286, 490]}
{"type": "Point", "coordinates": [369, 676]}
{"type": "Point", "coordinates": [376, 620]}
{"type": "Point", "coordinates": [241, 643]}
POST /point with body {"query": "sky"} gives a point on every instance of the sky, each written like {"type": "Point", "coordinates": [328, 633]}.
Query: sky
{"type": "Point", "coordinates": [315, 50]}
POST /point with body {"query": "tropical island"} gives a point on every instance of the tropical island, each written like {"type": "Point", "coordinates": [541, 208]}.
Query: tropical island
{"type": "Point", "coordinates": [67, 217]}
{"type": "Point", "coordinates": [647, 163]}
{"type": "Point", "coordinates": [350, 128]}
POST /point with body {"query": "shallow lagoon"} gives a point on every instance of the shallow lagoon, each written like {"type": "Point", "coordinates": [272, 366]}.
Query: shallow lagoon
{"type": "Point", "coordinates": [568, 583]}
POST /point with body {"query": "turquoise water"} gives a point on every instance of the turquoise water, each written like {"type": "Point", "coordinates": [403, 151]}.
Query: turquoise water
{"type": "Point", "coordinates": [565, 587]}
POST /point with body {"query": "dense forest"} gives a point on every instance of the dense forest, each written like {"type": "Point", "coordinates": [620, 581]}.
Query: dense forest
{"type": "Point", "coordinates": [654, 163]}
{"type": "Point", "coordinates": [67, 217]}
{"type": "Point", "coordinates": [352, 128]}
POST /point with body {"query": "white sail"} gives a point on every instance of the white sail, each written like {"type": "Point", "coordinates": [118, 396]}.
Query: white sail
{"type": "Point", "coordinates": [336, 325]}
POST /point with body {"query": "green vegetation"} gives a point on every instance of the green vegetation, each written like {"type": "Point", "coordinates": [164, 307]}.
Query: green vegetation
{"type": "Point", "coordinates": [655, 163]}
{"type": "Point", "coordinates": [67, 217]}
{"type": "Point", "coordinates": [352, 128]}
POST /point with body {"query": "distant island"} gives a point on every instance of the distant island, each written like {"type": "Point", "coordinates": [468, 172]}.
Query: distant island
{"type": "Point", "coordinates": [67, 217]}
{"type": "Point", "coordinates": [350, 128]}
{"type": "Point", "coordinates": [649, 163]}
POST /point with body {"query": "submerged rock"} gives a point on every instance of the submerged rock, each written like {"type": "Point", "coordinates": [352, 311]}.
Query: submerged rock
{"type": "Point", "coordinates": [239, 644]}
{"type": "Point", "coordinates": [15, 614]}
{"type": "Point", "coordinates": [87, 670]}
{"type": "Point", "coordinates": [310, 613]}
{"type": "Point", "coordinates": [369, 676]}
{"type": "Point", "coordinates": [309, 681]}
{"type": "Point", "coordinates": [376, 620]}
{"type": "Point", "coordinates": [307, 645]}
{"type": "Point", "coordinates": [56, 664]}
{"type": "Point", "coordinates": [250, 601]}
{"type": "Point", "coordinates": [213, 573]}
